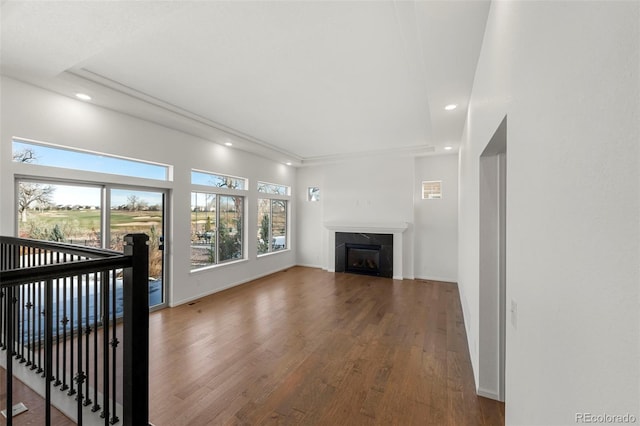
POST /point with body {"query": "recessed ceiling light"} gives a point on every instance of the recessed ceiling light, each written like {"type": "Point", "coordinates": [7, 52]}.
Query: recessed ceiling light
{"type": "Point", "coordinates": [448, 148]}
{"type": "Point", "coordinates": [451, 107]}
{"type": "Point", "coordinates": [228, 144]}
{"type": "Point", "coordinates": [83, 96]}
{"type": "Point", "coordinates": [288, 163]}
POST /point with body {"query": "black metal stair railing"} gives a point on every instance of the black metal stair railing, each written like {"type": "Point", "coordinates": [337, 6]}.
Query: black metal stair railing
{"type": "Point", "coordinates": [60, 307]}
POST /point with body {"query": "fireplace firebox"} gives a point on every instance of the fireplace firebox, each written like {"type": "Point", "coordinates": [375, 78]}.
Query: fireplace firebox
{"type": "Point", "coordinates": [363, 258]}
{"type": "Point", "coordinates": [360, 253]}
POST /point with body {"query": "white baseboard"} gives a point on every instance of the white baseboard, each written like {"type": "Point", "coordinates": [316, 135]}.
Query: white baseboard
{"type": "Point", "coordinates": [309, 266]}
{"type": "Point", "coordinates": [441, 279]}
{"type": "Point", "coordinates": [488, 394]}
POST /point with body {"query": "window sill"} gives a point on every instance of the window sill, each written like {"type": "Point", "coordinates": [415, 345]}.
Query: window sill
{"type": "Point", "coordinates": [271, 253]}
{"type": "Point", "coordinates": [216, 266]}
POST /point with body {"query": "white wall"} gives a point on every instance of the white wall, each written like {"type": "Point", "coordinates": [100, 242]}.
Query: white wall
{"type": "Point", "coordinates": [436, 221]}
{"type": "Point", "coordinates": [384, 189]}
{"type": "Point", "coordinates": [33, 113]}
{"type": "Point", "coordinates": [310, 232]}
{"type": "Point", "coordinates": [370, 190]}
{"type": "Point", "coordinates": [566, 76]}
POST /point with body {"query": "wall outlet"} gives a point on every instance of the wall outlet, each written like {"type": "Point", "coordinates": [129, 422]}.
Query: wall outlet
{"type": "Point", "coordinates": [514, 314]}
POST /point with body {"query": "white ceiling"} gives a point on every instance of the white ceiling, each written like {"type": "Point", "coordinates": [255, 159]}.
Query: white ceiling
{"type": "Point", "coordinates": [301, 80]}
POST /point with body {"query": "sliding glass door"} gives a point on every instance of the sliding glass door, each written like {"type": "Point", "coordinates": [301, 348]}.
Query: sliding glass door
{"type": "Point", "coordinates": [75, 213]}
{"type": "Point", "coordinates": [140, 211]}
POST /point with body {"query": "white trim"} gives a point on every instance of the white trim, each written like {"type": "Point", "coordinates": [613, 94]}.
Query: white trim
{"type": "Point", "coordinates": [379, 227]}
{"type": "Point", "coordinates": [286, 194]}
{"type": "Point", "coordinates": [306, 265]}
{"type": "Point", "coordinates": [61, 147]}
{"type": "Point", "coordinates": [439, 279]}
{"type": "Point", "coordinates": [488, 394]}
{"type": "Point", "coordinates": [466, 320]}
{"type": "Point", "coordinates": [269, 253]}
{"type": "Point", "coordinates": [217, 190]}
{"type": "Point", "coordinates": [220, 175]}
{"type": "Point", "coordinates": [168, 167]}
{"type": "Point", "coordinates": [40, 171]}
{"type": "Point", "coordinates": [409, 151]}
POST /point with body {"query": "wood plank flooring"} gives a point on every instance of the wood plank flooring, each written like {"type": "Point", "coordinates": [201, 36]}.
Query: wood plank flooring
{"type": "Point", "coordinates": [308, 347]}
{"type": "Point", "coordinates": [35, 404]}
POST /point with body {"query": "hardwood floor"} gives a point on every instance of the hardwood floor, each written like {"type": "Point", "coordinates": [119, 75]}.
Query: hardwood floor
{"type": "Point", "coordinates": [308, 347]}
{"type": "Point", "coordinates": [35, 405]}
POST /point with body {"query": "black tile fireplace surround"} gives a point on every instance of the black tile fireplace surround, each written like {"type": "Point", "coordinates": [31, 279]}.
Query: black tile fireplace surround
{"type": "Point", "coordinates": [360, 253]}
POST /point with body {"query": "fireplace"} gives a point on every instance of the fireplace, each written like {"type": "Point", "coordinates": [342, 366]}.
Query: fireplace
{"type": "Point", "coordinates": [394, 230]}
{"type": "Point", "coordinates": [364, 253]}
{"type": "Point", "coordinates": [362, 259]}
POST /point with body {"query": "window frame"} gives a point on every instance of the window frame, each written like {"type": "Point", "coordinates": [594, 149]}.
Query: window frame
{"type": "Point", "coordinates": [287, 215]}
{"type": "Point", "coordinates": [221, 191]}
{"type": "Point", "coordinates": [243, 237]}
{"type": "Point", "coordinates": [431, 195]}
{"type": "Point", "coordinates": [168, 169]}
{"type": "Point", "coordinates": [263, 185]}
{"type": "Point", "coordinates": [244, 181]}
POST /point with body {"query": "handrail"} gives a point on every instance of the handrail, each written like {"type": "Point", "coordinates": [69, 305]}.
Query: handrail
{"type": "Point", "coordinates": [64, 247]}
{"type": "Point", "coordinates": [14, 277]}
{"type": "Point", "coordinates": [67, 293]}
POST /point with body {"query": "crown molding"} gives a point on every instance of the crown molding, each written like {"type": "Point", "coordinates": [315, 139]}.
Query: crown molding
{"type": "Point", "coordinates": [127, 100]}
{"type": "Point", "coordinates": [112, 95]}
{"type": "Point", "coordinates": [409, 151]}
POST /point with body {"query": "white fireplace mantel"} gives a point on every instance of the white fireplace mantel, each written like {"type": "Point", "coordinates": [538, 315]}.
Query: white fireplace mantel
{"type": "Point", "coordinates": [395, 228]}
{"type": "Point", "coordinates": [374, 228]}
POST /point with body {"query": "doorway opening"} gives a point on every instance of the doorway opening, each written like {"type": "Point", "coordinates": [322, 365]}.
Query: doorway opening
{"type": "Point", "coordinates": [492, 265]}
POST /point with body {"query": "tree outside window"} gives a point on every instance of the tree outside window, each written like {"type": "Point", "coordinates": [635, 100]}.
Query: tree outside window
{"type": "Point", "coordinates": [272, 225]}
{"type": "Point", "coordinates": [216, 228]}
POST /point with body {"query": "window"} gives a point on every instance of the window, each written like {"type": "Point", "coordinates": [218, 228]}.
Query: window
{"type": "Point", "coordinates": [217, 180]}
{"type": "Point", "coordinates": [76, 213]}
{"type": "Point", "coordinates": [272, 218]}
{"type": "Point", "coordinates": [273, 188]}
{"type": "Point", "coordinates": [217, 218]}
{"type": "Point", "coordinates": [216, 228]}
{"type": "Point", "coordinates": [60, 212]}
{"type": "Point", "coordinates": [431, 189]}
{"type": "Point", "coordinates": [313, 193]}
{"type": "Point", "coordinates": [68, 158]}
{"type": "Point", "coordinates": [272, 225]}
